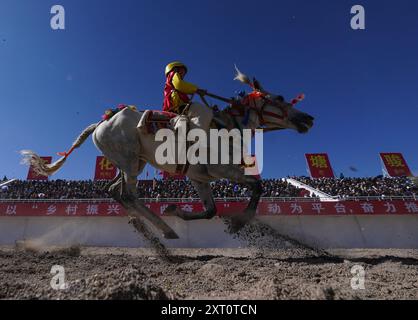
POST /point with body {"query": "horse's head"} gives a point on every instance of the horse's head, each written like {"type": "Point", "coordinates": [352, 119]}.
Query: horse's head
{"type": "Point", "coordinates": [261, 109]}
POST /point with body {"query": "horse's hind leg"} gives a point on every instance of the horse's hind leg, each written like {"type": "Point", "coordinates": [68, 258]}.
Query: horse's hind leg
{"type": "Point", "coordinates": [205, 194]}
{"type": "Point", "coordinates": [114, 186]}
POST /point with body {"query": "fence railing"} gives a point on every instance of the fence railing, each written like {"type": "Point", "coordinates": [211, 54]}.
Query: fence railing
{"type": "Point", "coordinates": [237, 199]}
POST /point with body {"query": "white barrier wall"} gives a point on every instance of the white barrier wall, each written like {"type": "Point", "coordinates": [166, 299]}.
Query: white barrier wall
{"type": "Point", "coordinates": [377, 231]}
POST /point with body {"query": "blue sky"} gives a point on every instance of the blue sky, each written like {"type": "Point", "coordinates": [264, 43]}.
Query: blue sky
{"type": "Point", "coordinates": [361, 86]}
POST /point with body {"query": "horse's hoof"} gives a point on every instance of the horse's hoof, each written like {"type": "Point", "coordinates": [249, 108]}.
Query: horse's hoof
{"type": "Point", "coordinates": [170, 210]}
{"type": "Point", "coordinates": [249, 214]}
{"type": "Point", "coordinates": [210, 215]}
{"type": "Point", "coordinates": [171, 235]}
{"type": "Point", "coordinates": [237, 223]}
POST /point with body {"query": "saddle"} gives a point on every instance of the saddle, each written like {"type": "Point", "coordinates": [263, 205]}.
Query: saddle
{"type": "Point", "coordinates": [153, 120]}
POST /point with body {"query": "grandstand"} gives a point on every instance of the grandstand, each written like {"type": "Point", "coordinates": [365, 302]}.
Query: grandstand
{"type": "Point", "coordinates": [379, 187]}
{"type": "Point", "coordinates": [151, 189]}
{"type": "Point", "coordinates": [160, 190]}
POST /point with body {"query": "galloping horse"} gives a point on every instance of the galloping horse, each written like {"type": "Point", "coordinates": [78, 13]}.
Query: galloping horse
{"type": "Point", "coordinates": [129, 150]}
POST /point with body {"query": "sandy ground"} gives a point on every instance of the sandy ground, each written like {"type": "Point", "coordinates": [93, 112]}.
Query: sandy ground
{"type": "Point", "coordinates": [250, 273]}
{"type": "Point", "coordinates": [270, 266]}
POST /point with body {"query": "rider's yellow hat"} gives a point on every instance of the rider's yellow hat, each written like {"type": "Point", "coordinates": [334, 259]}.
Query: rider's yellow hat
{"type": "Point", "coordinates": [173, 65]}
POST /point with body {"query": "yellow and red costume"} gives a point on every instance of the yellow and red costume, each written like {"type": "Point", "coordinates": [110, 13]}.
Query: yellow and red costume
{"type": "Point", "coordinates": [176, 90]}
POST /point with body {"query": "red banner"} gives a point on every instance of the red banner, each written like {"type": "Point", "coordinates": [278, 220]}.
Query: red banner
{"type": "Point", "coordinates": [319, 165]}
{"type": "Point", "coordinates": [269, 208]}
{"type": "Point", "coordinates": [105, 170]}
{"type": "Point", "coordinates": [395, 165]}
{"type": "Point", "coordinates": [32, 175]}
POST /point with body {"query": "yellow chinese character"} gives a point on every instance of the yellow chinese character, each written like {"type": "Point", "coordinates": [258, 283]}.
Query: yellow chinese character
{"type": "Point", "coordinates": [394, 161]}
{"type": "Point", "coordinates": [319, 161]}
{"type": "Point", "coordinates": [105, 165]}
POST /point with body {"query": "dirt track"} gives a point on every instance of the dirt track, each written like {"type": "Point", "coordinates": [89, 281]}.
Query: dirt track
{"type": "Point", "coordinates": [112, 273]}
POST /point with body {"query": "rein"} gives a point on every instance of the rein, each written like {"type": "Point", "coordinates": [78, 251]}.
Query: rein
{"type": "Point", "coordinates": [250, 102]}
{"type": "Point", "coordinates": [229, 101]}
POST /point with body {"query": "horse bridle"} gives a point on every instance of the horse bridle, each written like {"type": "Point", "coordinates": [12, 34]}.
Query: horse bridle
{"type": "Point", "coordinates": [250, 101]}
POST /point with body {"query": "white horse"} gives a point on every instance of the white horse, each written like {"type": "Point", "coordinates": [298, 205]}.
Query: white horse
{"type": "Point", "coordinates": [129, 150]}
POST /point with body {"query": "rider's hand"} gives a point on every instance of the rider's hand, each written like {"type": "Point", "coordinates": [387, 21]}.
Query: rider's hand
{"type": "Point", "coordinates": [201, 92]}
{"type": "Point", "coordinates": [280, 98]}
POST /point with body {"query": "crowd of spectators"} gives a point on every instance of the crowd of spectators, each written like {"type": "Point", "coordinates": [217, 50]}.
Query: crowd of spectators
{"type": "Point", "coordinates": [359, 187]}
{"type": "Point", "coordinates": [156, 189]}
{"type": "Point", "coordinates": [183, 189]}
{"type": "Point", "coordinates": [221, 189]}
{"type": "Point", "coordinates": [55, 189]}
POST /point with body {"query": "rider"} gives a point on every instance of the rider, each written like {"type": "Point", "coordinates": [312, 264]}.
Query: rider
{"type": "Point", "coordinates": [176, 90]}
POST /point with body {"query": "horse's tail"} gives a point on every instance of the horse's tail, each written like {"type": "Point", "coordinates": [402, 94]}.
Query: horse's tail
{"type": "Point", "coordinates": [38, 164]}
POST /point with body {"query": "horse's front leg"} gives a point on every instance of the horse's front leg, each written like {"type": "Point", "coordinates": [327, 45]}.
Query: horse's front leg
{"type": "Point", "coordinates": [236, 174]}
{"type": "Point", "coordinates": [240, 220]}
{"type": "Point", "coordinates": [205, 194]}
{"type": "Point", "coordinates": [257, 191]}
